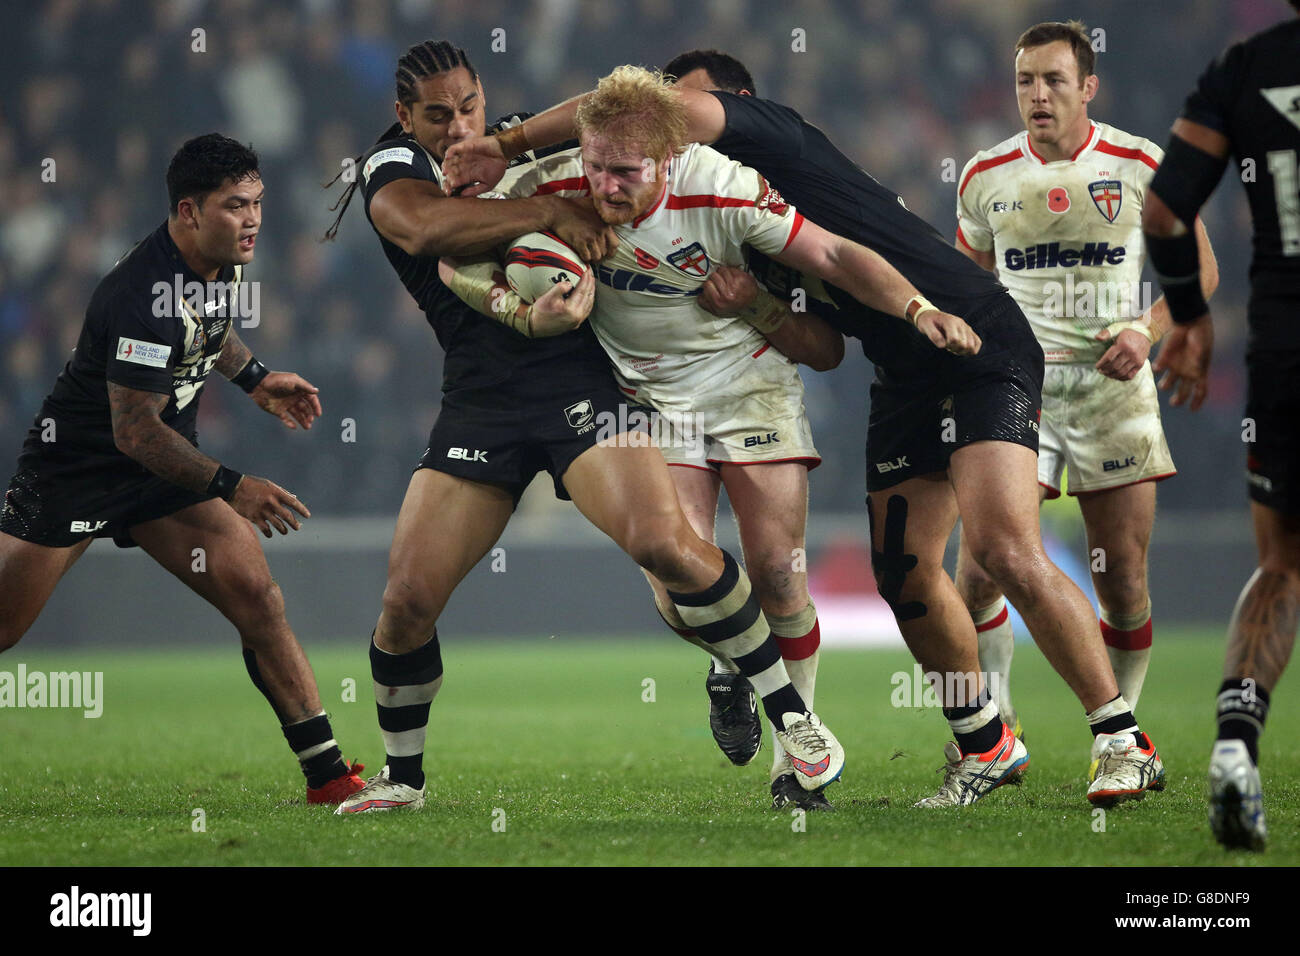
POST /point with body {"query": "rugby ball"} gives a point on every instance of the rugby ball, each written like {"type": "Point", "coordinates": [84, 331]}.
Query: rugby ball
{"type": "Point", "coordinates": [539, 260]}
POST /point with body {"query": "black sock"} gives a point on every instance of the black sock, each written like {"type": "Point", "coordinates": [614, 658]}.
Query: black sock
{"type": "Point", "coordinates": [405, 685]}
{"type": "Point", "coordinates": [1242, 709]}
{"type": "Point", "coordinates": [975, 736]}
{"type": "Point", "coordinates": [1120, 722]}
{"type": "Point", "coordinates": [313, 743]}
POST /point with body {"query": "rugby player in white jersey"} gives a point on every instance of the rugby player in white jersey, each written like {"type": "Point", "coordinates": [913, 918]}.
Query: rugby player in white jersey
{"type": "Point", "coordinates": [729, 407]}
{"type": "Point", "coordinates": [727, 401]}
{"type": "Point", "coordinates": [1056, 212]}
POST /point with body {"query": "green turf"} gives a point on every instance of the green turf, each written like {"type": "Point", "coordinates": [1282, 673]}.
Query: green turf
{"type": "Point", "coordinates": [555, 734]}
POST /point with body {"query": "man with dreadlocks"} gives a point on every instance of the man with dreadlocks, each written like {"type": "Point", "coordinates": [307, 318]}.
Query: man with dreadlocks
{"type": "Point", "coordinates": [511, 408]}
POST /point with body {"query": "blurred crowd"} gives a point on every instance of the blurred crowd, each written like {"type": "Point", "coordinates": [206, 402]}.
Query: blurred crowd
{"type": "Point", "coordinates": [99, 93]}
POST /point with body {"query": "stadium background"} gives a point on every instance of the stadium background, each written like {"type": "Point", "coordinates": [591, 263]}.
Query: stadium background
{"type": "Point", "coordinates": [909, 88]}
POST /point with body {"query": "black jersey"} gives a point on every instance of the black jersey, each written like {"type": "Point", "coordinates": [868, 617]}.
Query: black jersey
{"type": "Point", "coordinates": [479, 350]}
{"type": "Point", "coordinates": [152, 324]}
{"type": "Point", "coordinates": [832, 191]}
{"type": "Point", "coordinates": [1251, 94]}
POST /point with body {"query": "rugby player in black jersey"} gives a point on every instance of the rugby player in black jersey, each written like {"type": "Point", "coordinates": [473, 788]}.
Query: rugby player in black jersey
{"type": "Point", "coordinates": [113, 452]}
{"type": "Point", "coordinates": [1244, 105]}
{"type": "Point", "coordinates": [511, 408]}
{"type": "Point", "coordinates": [949, 433]}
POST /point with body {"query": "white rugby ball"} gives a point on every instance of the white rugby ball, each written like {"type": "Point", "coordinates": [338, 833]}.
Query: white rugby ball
{"type": "Point", "coordinates": [538, 261]}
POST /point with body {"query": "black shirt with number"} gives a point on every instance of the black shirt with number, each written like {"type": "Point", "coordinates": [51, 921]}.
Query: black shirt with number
{"type": "Point", "coordinates": [479, 351]}
{"type": "Point", "coordinates": [152, 324]}
{"type": "Point", "coordinates": [1251, 94]}
{"type": "Point", "coordinates": [834, 192]}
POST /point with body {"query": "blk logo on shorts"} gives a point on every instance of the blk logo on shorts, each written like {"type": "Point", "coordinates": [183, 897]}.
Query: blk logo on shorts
{"type": "Point", "coordinates": [467, 454]}
{"type": "Point", "coordinates": [580, 414]}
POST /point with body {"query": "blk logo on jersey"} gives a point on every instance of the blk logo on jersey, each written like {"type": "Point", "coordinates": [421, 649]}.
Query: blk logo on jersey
{"type": "Point", "coordinates": [692, 260]}
{"type": "Point", "coordinates": [1107, 196]}
{"type": "Point", "coordinates": [580, 414]}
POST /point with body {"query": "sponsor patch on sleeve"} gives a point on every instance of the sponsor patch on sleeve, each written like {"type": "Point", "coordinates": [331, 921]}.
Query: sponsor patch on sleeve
{"type": "Point", "coordinates": [143, 353]}
{"type": "Point", "coordinates": [394, 154]}
{"type": "Point", "coordinates": [770, 199]}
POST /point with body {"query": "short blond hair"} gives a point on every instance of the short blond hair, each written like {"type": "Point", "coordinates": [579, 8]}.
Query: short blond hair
{"type": "Point", "coordinates": [635, 106]}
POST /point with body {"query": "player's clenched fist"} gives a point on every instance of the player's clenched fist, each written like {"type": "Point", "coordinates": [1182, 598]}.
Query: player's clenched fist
{"type": "Point", "coordinates": [475, 165]}
{"type": "Point", "coordinates": [948, 332]}
{"type": "Point", "coordinates": [267, 505]}
{"type": "Point", "coordinates": [563, 307]}
{"type": "Point", "coordinates": [728, 290]}
{"type": "Point", "coordinates": [1125, 358]}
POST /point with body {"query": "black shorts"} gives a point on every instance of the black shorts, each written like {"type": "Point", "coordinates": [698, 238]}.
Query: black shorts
{"type": "Point", "coordinates": [505, 434]}
{"type": "Point", "coordinates": [59, 498]}
{"type": "Point", "coordinates": [997, 395]}
{"type": "Point", "coordinates": [1273, 404]}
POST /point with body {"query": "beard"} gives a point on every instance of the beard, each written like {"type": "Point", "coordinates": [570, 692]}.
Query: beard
{"type": "Point", "coordinates": [617, 215]}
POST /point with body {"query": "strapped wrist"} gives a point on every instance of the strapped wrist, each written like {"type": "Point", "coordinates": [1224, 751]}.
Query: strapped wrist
{"type": "Point", "coordinates": [766, 313]}
{"type": "Point", "coordinates": [224, 482]}
{"type": "Point", "coordinates": [513, 142]}
{"type": "Point", "coordinates": [1134, 325]}
{"type": "Point", "coordinates": [251, 375]}
{"type": "Point", "coordinates": [916, 306]}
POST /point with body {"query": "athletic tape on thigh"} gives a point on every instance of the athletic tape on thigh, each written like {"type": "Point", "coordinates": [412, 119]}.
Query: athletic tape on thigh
{"type": "Point", "coordinates": [892, 564]}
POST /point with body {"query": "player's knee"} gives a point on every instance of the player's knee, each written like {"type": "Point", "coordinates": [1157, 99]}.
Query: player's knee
{"type": "Point", "coordinates": [256, 603]}
{"type": "Point", "coordinates": [409, 609]}
{"type": "Point", "coordinates": [779, 582]}
{"type": "Point", "coordinates": [1011, 565]}
{"type": "Point", "coordinates": [902, 583]}
{"type": "Point", "coordinates": [976, 588]}
{"type": "Point", "coordinates": [659, 543]}
{"type": "Point", "coordinates": [662, 554]}
{"type": "Point", "coordinates": [1121, 593]}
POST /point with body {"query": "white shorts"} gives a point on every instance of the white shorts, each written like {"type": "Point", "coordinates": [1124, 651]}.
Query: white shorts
{"type": "Point", "coordinates": [1106, 432]}
{"type": "Point", "coordinates": [754, 416]}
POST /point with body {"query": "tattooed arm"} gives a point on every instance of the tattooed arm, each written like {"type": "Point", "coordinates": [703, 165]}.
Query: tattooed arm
{"type": "Point", "coordinates": [234, 355]}
{"type": "Point", "coordinates": [139, 433]}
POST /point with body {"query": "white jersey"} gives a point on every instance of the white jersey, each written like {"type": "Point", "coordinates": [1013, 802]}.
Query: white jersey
{"type": "Point", "coordinates": [1066, 235]}
{"type": "Point", "coordinates": [647, 313]}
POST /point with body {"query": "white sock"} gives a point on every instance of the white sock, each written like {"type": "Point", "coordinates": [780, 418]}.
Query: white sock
{"type": "Point", "coordinates": [996, 645]}
{"type": "Point", "coordinates": [796, 633]}
{"type": "Point", "coordinates": [1128, 645]}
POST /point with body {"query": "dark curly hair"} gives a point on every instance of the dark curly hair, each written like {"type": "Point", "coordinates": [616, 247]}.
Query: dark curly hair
{"type": "Point", "coordinates": [203, 164]}
{"type": "Point", "coordinates": [725, 70]}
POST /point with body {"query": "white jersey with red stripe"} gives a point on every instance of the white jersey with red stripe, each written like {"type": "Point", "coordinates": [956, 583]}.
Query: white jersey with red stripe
{"type": "Point", "coordinates": [665, 347]}
{"type": "Point", "coordinates": [1066, 235]}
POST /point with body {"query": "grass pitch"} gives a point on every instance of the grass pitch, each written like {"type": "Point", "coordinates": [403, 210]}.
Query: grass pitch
{"type": "Point", "coordinates": [548, 752]}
